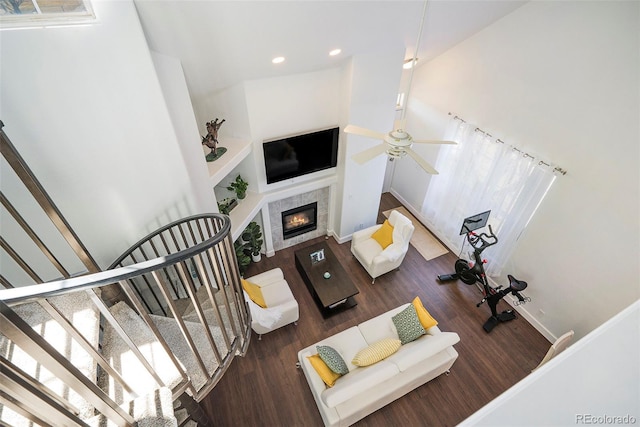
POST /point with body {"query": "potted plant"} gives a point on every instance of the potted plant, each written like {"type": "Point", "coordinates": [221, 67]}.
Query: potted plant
{"type": "Point", "coordinates": [243, 259]}
{"type": "Point", "coordinates": [239, 186]}
{"type": "Point", "coordinates": [253, 236]}
{"type": "Point", "coordinates": [226, 205]}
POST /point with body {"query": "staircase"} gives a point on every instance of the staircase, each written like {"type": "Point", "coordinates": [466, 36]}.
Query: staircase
{"type": "Point", "coordinates": [141, 343]}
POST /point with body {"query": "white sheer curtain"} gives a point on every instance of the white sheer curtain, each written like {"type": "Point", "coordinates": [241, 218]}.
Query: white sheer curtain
{"type": "Point", "coordinates": [479, 174]}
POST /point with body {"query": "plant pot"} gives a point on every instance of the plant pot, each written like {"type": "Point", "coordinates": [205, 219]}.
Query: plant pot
{"type": "Point", "coordinates": [241, 195]}
{"type": "Point", "coordinates": [256, 257]}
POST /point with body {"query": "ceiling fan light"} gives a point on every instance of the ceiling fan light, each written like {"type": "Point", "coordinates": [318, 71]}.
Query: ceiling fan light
{"type": "Point", "coordinates": [396, 153]}
{"type": "Point", "coordinates": [409, 63]}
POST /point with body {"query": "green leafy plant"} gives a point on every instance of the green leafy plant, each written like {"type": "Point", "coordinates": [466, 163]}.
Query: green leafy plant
{"type": "Point", "coordinates": [241, 254]}
{"type": "Point", "coordinates": [253, 236]}
{"type": "Point", "coordinates": [239, 186]}
{"type": "Point", "coordinates": [223, 208]}
{"type": "Point", "coordinates": [226, 205]}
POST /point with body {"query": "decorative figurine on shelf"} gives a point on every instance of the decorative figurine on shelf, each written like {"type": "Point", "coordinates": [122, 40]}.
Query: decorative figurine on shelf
{"type": "Point", "coordinates": [211, 140]}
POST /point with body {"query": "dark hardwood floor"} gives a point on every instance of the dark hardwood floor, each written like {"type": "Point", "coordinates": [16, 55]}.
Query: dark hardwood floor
{"type": "Point", "coordinates": [264, 388]}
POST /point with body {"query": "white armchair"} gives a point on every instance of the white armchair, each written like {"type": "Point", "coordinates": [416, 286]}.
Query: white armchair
{"type": "Point", "coordinates": [282, 307]}
{"type": "Point", "coordinates": [372, 256]}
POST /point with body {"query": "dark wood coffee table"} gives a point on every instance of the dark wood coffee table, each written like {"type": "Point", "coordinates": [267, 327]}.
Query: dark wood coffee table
{"type": "Point", "coordinates": [333, 294]}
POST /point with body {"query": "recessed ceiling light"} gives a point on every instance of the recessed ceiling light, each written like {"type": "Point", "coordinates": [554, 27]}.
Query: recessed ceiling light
{"type": "Point", "coordinates": [409, 63]}
{"type": "Point", "coordinates": [278, 59]}
{"type": "Point", "coordinates": [335, 52]}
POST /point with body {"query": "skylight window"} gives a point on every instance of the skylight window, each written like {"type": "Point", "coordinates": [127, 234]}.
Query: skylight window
{"type": "Point", "coordinates": [44, 13]}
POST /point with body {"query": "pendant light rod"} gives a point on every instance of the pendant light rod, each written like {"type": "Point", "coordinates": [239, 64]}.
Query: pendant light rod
{"type": "Point", "coordinates": [413, 61]}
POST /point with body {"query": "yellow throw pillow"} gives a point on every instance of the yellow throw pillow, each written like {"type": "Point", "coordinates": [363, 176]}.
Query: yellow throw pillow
{"type": "Point", "coordinates": [384, 235]}
{"type": "Point", "coordinates": [376, 352]}
{"type": "Point", "coordinates": [328, 376]}
{"type": "Point", "coordinates": [254, 292]}
{"type": "Point", "coordinates": [423, 315]}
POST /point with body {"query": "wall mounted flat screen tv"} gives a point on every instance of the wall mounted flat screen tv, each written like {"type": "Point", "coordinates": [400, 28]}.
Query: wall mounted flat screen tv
{"type": "Point", "coordinates": [299, 155]}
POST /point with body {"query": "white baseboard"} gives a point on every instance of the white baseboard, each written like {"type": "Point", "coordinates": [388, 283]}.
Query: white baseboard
{"type": "Point", "coordinates": [339, 239]}
{"type": "Point", "coordinates": [511, 300]}
{"type": "Point", "coordinates": [531, 319]}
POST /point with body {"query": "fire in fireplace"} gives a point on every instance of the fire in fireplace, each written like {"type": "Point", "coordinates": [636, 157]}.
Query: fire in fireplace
{"type": "Point", "coordinates": [299, 220]}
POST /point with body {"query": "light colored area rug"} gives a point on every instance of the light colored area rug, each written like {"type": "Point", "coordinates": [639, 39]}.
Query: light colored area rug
{"type": "Point", "coordinates": [424, 242]}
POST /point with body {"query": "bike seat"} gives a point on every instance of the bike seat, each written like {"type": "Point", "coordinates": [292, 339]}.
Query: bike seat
{"type": "Point", "coordinates": [515, 284]}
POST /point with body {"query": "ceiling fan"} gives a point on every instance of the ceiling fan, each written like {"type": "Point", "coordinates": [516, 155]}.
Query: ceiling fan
{"type": "Point", "coordinates": [397, 143]}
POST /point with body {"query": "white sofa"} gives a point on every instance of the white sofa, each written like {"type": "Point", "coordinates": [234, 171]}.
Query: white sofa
{"type": "Point", "coordinates": [372, 256]}
{"type": "Point", "coordinates": [282, 308]}
{"type": "Point", "coordinates": [366, 389]}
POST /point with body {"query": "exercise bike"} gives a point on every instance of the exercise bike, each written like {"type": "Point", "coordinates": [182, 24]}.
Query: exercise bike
{"type": "Point", "coordinates": [473, 273]}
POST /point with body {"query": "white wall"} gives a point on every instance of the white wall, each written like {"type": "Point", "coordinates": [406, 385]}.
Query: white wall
{"type": "Point", "coordinates": [84, 107]}
{"type": "Point", "coordinates": [362, 92]}
{"type": "Point", "coordinates": [559, 79]}
{"type": "Point", "coordinates": [370, 87]}
{"type": "Point", "coordinates": [229, 104]}
{"type": "Point", "coordinates": [176, 94]}
{"type": "Point", "coordinates": [290, 105]}
{"type": "Point", "coordinates": [597, 377]}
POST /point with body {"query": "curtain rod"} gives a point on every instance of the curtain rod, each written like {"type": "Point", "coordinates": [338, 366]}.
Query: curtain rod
{"type": "Point", "coordinates": [525, 154]}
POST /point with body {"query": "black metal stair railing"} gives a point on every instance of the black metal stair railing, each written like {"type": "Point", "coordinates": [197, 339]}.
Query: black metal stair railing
{"type": "Point", "coordinates": [214, 266]}
{"type": "Point", "coordinates": [190, 262]}
{"type": "Point", "coordinates": [206, 282]}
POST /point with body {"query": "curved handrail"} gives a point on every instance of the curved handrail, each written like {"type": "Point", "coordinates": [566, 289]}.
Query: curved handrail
{"type": "Point", "coordinates": [225, 227]}
{"type": "Point", "coordinates": [20, 295]}
{"type": "Point", "coordinates": [202, 260]}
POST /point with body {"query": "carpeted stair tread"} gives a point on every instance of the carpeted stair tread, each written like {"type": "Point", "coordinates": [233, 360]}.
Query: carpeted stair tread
{"type": "Point", "coordinates": [170, 331]}
{"type": "Point", "coordinates": [78, 308]}
{"type": "Point", "coordinates": [182, 306]}
{"type": "Point", "coordinates": [203, 298]}
{"type": "Point", "coordinates": [151, 410]}
{"type": "Point", "coordinates": [212, 321]}
{"type": "Point", "coordinates": [125, 361]}
{"type": "Point", "coordinates": [183, 416]}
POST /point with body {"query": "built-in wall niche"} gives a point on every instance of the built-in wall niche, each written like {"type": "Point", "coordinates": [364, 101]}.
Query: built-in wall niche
{"type": "Point", "coordinates": [223, 194]}
{"type": "Point", "coordinates": [289, 204]}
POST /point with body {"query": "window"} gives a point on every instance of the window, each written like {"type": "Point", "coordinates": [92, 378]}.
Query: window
{"type": "Point", "coordinates": [43, 13]}
{"type": "Point", "coordinates": [482, 173]}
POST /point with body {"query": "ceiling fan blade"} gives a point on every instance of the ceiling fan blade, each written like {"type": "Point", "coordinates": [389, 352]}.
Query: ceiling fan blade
{"type": "Point", "coordinates": [433, 141]}
{"type": "Point", "coordinates": [426, 166]}
{"type": "Point", "coordinates": [369, 154]}
{"type": "Point", "coordinates": [357, 130]}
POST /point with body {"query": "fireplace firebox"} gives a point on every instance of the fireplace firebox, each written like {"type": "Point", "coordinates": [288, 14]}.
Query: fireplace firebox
{"type": "Point", "coordinates": [299, 220]}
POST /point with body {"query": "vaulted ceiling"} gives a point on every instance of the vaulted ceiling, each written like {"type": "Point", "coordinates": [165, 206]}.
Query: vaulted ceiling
{"type": "Point", "coordinates": [222, 43]}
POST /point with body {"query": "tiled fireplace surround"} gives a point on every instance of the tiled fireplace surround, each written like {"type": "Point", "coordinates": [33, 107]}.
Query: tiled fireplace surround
{"type": "Point", "coordinates": [276, 208]}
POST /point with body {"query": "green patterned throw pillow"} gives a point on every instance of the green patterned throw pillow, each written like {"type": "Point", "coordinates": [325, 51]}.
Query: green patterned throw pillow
{"type": "Point", "coordinates": [332, 359]}
{"type": "Point", "coordinates": [408, 325]}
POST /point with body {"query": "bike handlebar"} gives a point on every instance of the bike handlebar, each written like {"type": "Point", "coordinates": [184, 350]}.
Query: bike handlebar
{"type": "Point", "coordinates": [482, 241]}
{"type": "Point", "coordinates": [517, 294]}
